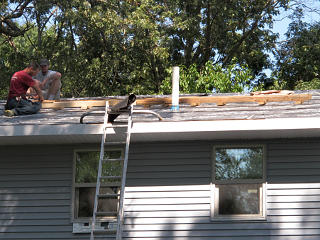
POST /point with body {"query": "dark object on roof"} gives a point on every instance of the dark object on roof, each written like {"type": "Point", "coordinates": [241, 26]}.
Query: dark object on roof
{"type": "Point", "coordinates": [122, 106]}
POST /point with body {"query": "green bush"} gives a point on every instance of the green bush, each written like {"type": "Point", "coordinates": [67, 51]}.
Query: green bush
{"type": "Point", "coordinates": [211, 78]}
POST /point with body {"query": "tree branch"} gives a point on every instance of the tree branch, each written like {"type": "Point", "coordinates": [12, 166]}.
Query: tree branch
{"type": "Point", "coordinates": [254, 26]}
{"type": "Point", "coordinates": [8, 27]}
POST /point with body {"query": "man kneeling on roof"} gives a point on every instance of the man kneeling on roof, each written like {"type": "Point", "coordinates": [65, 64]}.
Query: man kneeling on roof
{"type": "Point", "coordinates": [17, 102]}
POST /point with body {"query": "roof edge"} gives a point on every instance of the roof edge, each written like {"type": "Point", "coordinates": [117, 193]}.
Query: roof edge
{"type": "Point", "coordinates": [165, 131]}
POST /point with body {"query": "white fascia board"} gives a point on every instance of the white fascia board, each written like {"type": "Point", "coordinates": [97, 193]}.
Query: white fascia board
{"type": "Point", "coordinates": [165, 130]}
{"type": "Point", "coordinates": [50, 130]}
{"type": "Point", "coordinates": [228, 125]}
{"type": "Point", "coordinates": [228, 129]}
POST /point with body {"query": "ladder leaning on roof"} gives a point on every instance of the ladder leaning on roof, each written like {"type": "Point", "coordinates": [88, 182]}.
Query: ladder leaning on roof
{"type": "Point", "coordinates": [109, 115]}
{"type": "Point", "coordinates": [100, 176]}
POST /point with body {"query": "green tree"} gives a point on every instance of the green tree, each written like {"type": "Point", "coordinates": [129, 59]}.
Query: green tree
{"type": "Point", "coordinates": [298, 64]}
{"type": "Point", "coordinates": [221, 30]}
{"type": "Point", "coordinates": [10, 12]}
{"type": "Point", "coordinates": [213, 78]}
{"type": "Point", "coordinates": [116, 47]}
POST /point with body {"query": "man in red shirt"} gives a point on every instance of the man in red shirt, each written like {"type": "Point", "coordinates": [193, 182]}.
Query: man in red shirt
{"type": "Point", "coordinates": [17, 103]}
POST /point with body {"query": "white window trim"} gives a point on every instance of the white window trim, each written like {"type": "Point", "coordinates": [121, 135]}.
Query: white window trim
{"type": "Point", "coordinates": [83, 225]}
{"type": "Point", "coordinates": [214, 203]}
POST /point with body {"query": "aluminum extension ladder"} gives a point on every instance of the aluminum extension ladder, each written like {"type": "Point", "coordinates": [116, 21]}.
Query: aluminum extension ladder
{"type": "Point", "coordinates": [111, 114]}
{"type": "Point", "coordinates": [100, 176]}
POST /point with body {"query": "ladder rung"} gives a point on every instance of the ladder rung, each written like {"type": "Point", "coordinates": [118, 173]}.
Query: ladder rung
{"type": "Point", "coordinates": [114, 143]}
{"type": "Point", "coordinates": [108, 195]}
{"type": "Point", "coordinates": [110, 177]}
{"type": "Point", "coordinates": [113, 159]}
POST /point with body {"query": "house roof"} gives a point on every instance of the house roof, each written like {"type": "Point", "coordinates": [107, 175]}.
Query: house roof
{"type": "Point", "coordinates": [216, 116]}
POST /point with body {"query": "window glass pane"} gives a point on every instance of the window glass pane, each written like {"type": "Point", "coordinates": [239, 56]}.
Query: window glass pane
{"type": "Point", "coordinates": [112, 169]}
{"type": "Point", "coordinates": [239, 163]}
{"type": "Point", "coordinates": [86, 201]}
{"type": "Point", "coordinates": [86, 177]}
{"type": "Point", "coordinates": [87, 166]}
{"type": "Point", "coordinates": [239, 199]}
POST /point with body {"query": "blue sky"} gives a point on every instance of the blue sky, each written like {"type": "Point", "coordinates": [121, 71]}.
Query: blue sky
{"type": "Point", "coordinates": [283, 21]}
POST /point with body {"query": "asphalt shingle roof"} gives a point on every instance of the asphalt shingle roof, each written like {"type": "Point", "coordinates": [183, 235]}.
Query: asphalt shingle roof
{"type": "Point", "coordinates": [187, 112]}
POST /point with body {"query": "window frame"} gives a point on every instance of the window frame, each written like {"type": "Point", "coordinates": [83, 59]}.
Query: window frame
{"type": "Point", "coordinates": [75, 185]}
{"type": "Point", "coordinates": [214, 206]}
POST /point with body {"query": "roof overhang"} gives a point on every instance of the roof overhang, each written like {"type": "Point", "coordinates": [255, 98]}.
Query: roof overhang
{"type": "Point", "coordinates": [163, 131]}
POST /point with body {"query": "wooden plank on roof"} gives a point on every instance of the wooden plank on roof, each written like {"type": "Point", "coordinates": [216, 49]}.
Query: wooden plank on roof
{"type": "Point", "coordinates": [83, 104]}
{"type": "Point", "coordinates": [222, 100]}
{"type": "Point", "coordinates": [192, 100]}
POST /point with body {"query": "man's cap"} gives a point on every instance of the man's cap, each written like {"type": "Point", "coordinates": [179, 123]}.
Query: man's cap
{"type": "Point", "coordinates": [44, 62]}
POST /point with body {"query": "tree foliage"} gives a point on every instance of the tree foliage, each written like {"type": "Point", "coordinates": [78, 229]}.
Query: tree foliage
{"type": "Point", "coordinates": [298, 59]}
{"type": "Point", "coordinates": [9, 12]}
{"type": "Point", "coordinates": [239, 163]}
{"type": "Point", "coordinates": [119, 46]}
{"type": "Point", "coordinates": [213, 78]}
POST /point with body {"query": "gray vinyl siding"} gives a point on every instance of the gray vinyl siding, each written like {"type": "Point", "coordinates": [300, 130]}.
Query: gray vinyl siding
{"type": "Point", "coordinates": [167, 196]}
{"type": "Point", "coordinates": [35, 193]}
{"type": "Point", "coordinates": [168, 193]}
{"type": "Point", "coordinates": [35, 184]}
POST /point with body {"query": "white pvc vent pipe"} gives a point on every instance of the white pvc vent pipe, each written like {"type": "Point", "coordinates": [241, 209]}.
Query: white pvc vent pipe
{"type": "Point", "coordinates": [175, 88]}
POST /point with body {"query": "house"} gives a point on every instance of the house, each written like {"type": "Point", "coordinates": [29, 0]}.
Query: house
{"type": "Point", "coordinates": [223, 166]}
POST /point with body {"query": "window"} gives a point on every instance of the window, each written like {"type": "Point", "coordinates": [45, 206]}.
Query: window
{"type": "Point", "coordinates": [85, 179]}
{"type": "Point", "coordinates": [238, 182]}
